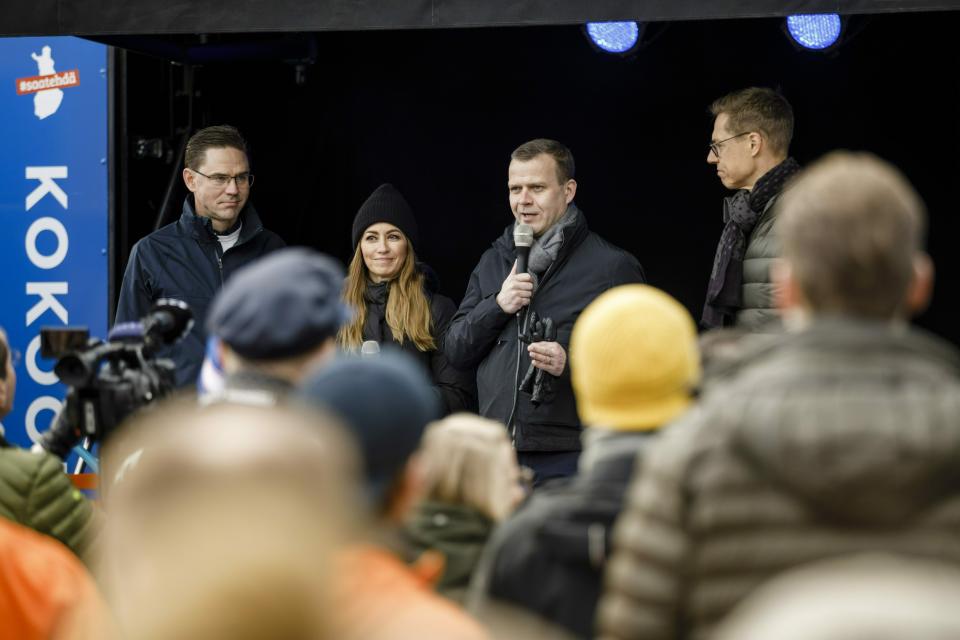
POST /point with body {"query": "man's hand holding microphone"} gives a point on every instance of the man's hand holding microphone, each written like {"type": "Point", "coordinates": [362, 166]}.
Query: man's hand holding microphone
{"type": "Point", "coordinates": [517, 292]}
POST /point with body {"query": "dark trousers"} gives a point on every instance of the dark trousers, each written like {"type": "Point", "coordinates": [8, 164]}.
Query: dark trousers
{"type": "Point", "coordinates": [547, 465]}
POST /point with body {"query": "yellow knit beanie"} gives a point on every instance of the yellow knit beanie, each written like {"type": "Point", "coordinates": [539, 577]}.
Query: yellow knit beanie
{"type": "Point", "coordinates": [633, 359]}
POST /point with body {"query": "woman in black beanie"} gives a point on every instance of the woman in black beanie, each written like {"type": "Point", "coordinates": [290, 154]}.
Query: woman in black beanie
{"type": "Point", "coordinates": [395, 302]}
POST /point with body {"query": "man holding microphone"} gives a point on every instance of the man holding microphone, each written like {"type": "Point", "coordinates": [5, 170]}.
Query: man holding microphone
{"type": "Point", "coordinates": [506, 308]}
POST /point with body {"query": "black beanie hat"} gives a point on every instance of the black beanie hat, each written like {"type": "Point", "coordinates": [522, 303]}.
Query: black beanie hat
{"type": "Point", "coordinates": [386, 204]}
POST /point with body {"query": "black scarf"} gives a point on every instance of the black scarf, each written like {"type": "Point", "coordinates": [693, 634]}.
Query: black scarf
{"type": "Point", "coordinates": [374, 326]}
{"type": "Point", "coordinates": [741, 212]}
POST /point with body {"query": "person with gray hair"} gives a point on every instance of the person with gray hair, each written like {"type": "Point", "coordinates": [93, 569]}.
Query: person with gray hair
{"type": "Point", "coordinates": [839, 436]}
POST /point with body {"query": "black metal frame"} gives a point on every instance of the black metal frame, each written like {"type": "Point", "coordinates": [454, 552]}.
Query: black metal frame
{"type": "Point", "coordinates": [119, 17]}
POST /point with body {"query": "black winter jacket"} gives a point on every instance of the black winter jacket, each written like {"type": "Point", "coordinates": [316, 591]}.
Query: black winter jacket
{"type": "Point", "coordinates": [560, 538]}
{"type": "Point", "coordinates": [457, 389]}
{"type": "Point", "coordinates": [482, 335]}
{"type": "Point", "coordinates": [184, 260]}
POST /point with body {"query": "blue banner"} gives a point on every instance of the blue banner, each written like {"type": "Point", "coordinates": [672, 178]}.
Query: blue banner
{"type": "Point", "coordinates": [54, 207]}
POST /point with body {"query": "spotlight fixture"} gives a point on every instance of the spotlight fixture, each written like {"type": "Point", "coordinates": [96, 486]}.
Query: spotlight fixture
{"type": "Point", "coordinates": [816, 31]}
{"type": "Point", "coordinates": [619, 38]}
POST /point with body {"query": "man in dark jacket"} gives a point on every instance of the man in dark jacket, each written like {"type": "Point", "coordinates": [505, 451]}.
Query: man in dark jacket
{"type": "Point", "coordinates": [218, 232]}
{"type": "Point", "coordinates": [840, 436]}
{"type": "Point", "coordinates": [635, 365]}
{"type": "Point", "coordinates": [568, 267]}
{"type": "Point", "coordinates": [749, 146]}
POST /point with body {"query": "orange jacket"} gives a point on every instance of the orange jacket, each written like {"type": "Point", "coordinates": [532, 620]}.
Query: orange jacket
{"type": "Point", "coordinates": [376, 596]}
{"type": "Point", "coordinates": [45, 591]}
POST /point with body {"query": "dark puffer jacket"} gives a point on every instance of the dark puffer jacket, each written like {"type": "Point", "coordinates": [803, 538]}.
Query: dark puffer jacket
{"type": "Point", "coordinates": [482, 335]}
{"type": "Point", "coordinates": [549, 556]}
{"type": "Point", "coordinates": [36, 493]}
{"type": "Point", "coordinates": [457, 389]}
{"type": "Point", "coordinates": [842, 438]}
{"type": "Point", "coordinates": [184, 260]}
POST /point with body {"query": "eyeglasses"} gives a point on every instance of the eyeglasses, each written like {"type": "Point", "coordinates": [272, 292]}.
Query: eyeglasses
{"type": "Point", "coordinates": [222, 180]}
{"type": "Point", "coordinates": [715, 146]}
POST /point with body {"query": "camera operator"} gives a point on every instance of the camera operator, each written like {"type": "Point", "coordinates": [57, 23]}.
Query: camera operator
{"type": "Point", "coordinates": [34, 491]}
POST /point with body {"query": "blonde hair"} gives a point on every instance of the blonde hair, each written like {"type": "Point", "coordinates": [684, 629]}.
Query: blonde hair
{"type": "Point", "coordinates": [468, 460]}
{"type": "Point", "coordinates": [408, 310]}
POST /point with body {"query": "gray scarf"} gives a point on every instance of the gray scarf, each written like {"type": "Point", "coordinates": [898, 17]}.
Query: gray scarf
{"type": "Point", "coordinates": [546, 248]}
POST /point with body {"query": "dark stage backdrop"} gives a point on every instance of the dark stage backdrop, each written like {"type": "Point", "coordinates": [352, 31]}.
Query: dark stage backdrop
{"type": "Point", "coordinates": [437, 113]}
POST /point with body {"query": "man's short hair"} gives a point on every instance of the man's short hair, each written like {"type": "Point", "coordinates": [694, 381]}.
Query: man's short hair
{"type": "Point", "coordinates": [758, 109]}
{"type": "Point", "coordinates": [559, 152]}
{"type": "Point", "coordinates": [851, 226]}
{"type": "Point", "coordinates": [216, 137]}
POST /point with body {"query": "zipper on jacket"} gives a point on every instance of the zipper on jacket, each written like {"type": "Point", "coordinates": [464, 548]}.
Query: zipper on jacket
{"type": "Point", "coordinates": [220, 268]}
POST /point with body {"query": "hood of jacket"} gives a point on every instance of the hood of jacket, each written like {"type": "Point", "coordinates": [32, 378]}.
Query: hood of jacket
{"type": "Point", "coordinates": [458, 531]}
{"type": "Point", "coordinates": [436, 523]}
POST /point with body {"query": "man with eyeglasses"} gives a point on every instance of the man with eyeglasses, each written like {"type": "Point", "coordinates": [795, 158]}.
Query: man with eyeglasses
{"type": "Point", "coordinates": [750, 144]}
{"type": "Point", "coordinates": [218, 232]}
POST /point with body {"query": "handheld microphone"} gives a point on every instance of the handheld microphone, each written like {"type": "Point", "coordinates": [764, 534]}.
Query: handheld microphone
{"type": "Point", "coordinates": [168, 321]}
{"type": "Point", "coordinates": [370, 349]}
{"type": "Point", "coordinates": [522, 241]}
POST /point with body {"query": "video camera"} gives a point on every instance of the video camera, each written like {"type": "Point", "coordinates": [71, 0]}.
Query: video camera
{"type": "Point", "coordinates": [107, 381]}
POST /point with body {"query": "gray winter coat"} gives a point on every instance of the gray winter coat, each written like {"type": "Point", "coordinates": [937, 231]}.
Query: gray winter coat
{"type": "Point", "coordinates": [842, 438]}
{"type": "Point", "coordinates": [763, 246]}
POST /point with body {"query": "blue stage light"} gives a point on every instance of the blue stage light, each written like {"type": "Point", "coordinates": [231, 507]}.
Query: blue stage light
{"type": "Point", "coordinates": [614, 37]}
{"type": "Point", "coordinates": [814, 31]}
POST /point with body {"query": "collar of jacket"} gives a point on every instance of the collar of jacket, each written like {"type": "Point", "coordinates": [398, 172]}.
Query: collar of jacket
{"type": "Point", "coordinates": [579, 231]}
{"type": "Point", "coordinates": [856, 335]}
{"type": "Point", "coordinates": [200, 227]}
{"type": "Point", "coordinates": [839, 334]}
